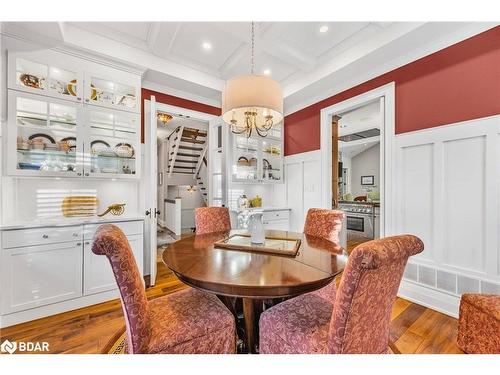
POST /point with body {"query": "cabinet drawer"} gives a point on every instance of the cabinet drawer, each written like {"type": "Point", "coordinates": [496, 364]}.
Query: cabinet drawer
{"type": "Point", "coordinates": [40, 236]}
{"type": "Point", "coordinates": [276, 215]}
{"type": "Point", "coordinates": [128, 227]}
{"type": "Point", "coordinates": [283, 224]}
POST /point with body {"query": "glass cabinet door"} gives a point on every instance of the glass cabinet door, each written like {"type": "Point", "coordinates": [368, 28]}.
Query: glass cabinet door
{"type": "Point", "coordinates": [47, 79]}
{"type": "Point", "coordinates": [45, 135]}
{"type": "Point", "coordinates": [246, 155]}
{"type": "Point", "coordinates": [112, 146]}
{"type": "Point", "coordinates": [272, 160]}
{"type": "Point", "coordinates": [109, 93]}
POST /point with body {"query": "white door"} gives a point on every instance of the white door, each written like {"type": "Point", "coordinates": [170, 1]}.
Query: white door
{"type": "Point", "coordinates": [151, 204]}
{"type": "Point", "coordinates": [217, 176]}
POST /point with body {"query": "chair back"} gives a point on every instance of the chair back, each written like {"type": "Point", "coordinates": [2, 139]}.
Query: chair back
{"type": "Point", "coordinates": [110, 241]}
{"type": "Point", "coordinates": [212, 219]}
{"type": "Point", "coordinates": [324, 223]}
{"type": "Point", "coordinates": [362, 310]}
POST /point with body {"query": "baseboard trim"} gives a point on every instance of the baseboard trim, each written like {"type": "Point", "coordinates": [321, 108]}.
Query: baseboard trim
{"type": "Point", "coordinates": [56, 308]}
{"type": "Point", "coordinates": [434, 299]}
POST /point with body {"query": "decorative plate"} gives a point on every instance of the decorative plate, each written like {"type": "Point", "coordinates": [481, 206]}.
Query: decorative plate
{"type": "Point", "coordinates": [98, 145]}
{"type": "Point", "coordinates": [71, 141]}
{"type": "Point", "coordinates": [35, 137]}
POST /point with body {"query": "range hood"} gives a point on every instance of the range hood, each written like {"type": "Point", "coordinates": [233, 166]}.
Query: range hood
{"type": "Point", "coordinates": [360, 135]}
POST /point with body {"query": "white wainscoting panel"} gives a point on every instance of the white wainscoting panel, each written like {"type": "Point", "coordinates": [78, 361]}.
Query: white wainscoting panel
{"type": "Point", "coordinates": [303, 186]}
{"type": "Point", "coordinates": [448, 194]}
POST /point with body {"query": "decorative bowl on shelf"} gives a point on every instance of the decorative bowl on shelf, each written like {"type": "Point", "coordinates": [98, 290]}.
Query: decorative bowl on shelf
{"type": "Point", "coordinates": [124, 150]}
{"type": "Point", "coordinates": [243, 161]}
{"type": "Point", "coordinates": [30, 80]}
{"type": "Point", "coordinates": [63, 146]}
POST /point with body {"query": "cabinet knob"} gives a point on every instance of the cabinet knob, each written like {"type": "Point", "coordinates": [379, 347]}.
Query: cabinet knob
{"type": "Point", "coordinates": [87, 243]}
{"type": "Point", "coordinates": [87, 174]}
{"type": "Point", "coordinates": [45, 236]}
{"type": "Point", "coordinates": [79, 99]}
{"type": "Point", "coordinates": [87, 100]}
{"type": "Point", "coordinates": [75, 234]}
{"type": "Point", "coordinates": [79, 174]}
{"type": "Point", "coordinates": [78, 244]}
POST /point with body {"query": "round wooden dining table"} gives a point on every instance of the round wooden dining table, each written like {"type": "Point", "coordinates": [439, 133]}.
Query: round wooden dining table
{"type": "Point", "coordinates": [251, 275]}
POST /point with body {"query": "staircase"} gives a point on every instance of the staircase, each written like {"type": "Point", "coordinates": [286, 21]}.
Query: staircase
{"type": "Point", "coordinates": [187, 155]}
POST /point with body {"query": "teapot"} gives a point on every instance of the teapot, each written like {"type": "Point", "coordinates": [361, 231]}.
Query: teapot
{"type": "Point", "coordinates": [256, 228]}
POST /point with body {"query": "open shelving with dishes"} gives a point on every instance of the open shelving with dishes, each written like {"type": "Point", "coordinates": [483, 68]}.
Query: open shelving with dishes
{"type": "Point", "coordinates": [52, 137]}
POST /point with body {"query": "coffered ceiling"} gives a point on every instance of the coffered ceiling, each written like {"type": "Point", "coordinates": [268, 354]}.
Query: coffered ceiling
{"type": "Point", "coordinates": [310, 59]}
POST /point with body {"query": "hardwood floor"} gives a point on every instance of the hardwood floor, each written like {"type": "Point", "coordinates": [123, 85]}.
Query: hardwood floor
{"type": "Point", "coordinates": [414, 329]}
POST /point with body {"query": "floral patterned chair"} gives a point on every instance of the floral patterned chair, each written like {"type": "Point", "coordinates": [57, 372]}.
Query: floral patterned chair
{"type": "Point", "coordinates": [188, 321]}
{"type": "Point", "coordinates": [325, 224]}
{"type": "Point", "coordinates": [479, 324]}
{"type": "Point", "coordinates": [212, 219]}
{"type": "Point", "coordinates": [358, 321]}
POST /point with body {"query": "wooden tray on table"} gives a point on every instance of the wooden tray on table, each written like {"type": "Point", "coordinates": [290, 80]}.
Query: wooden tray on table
{"type": "Point", "coordinates": [271, 245]}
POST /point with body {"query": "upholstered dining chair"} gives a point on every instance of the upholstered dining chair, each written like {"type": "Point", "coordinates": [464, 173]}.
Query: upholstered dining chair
{"type": "Point", "coordinates": [325, 224]}
{"type": "Point", "coordinates": [358, 321]}
{"type": "Point", "coordinates": [189, 321]}
{"type": "Point", "coordinates": [212, 219]}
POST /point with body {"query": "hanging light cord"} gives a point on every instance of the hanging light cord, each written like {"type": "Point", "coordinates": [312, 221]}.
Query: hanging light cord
{"type": "Point", "coordinates": [253, 46]}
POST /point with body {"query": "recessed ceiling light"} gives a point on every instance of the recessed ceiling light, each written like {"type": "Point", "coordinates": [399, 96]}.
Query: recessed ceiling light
{"type": "Point", "coordinates": [206, 46]}
{"type": "Point", "coordinates": [323, 29]}
{"type": "Point", "coordinates": [267, 72]}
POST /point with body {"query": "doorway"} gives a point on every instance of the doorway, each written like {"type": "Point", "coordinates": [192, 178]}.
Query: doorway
{"type": "Point", "coordinates": [175, 170]}
{"type": "Point", "coordinates": [359, 165]}
{"type": "Point", "coordinates": [357, 133]}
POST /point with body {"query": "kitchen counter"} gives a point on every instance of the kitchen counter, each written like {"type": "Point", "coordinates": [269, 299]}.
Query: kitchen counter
{"type": "Point", "coordinates": [65, 222]}
{"type": "Point", "coordinates": [264, 208]}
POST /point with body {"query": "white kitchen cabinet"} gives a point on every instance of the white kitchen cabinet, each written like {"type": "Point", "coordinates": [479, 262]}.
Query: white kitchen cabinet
{"type": "Point", "coordinates": [100, 142]}
{"type": "Point", "coordinates": [111, 89]}
{"type": "Point", "coordinates": [48, 270]}
{"type": "Point", "coordinates": [46, 73]}
{"type": "Point", "coordinates": [276, 220]}
{"type": "Point", "coordinates": [76, 79]}
{"type": "Point", "coordinates": [257, 159]}
{"type": "Point", "coordinates": [34, 276]}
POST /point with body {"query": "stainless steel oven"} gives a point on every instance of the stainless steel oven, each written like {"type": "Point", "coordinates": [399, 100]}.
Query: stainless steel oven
{"type": "Point", "coordinates": [359, 219]}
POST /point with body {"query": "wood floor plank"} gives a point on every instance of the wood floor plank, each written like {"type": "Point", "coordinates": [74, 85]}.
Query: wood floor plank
{"type": "Point", "coordinates": [414, 328]}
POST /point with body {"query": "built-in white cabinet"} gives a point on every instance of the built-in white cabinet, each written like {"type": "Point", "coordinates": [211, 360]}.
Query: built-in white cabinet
{"type": "Point", "coordinates": [71, 78]}
{"type": "Point", "coordinates": [40, 274]}
{"type": "Point", "coordinates": [98, 275]}
{"type": "Point", "coordinates": [257, 159]}
{"type": "Point", "coordinates": [276, 220]}
{"type": "Point", "coordinates": [52, 137]}
{"type": "Point", "coordinates": [69, 117]}
{"type": "Point", "coordinates": [55, 266]}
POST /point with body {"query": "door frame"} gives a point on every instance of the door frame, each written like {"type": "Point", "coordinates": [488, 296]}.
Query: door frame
{"type": "Point", "coordinates": [150, 149]}
{"type": "Point", "coordinates": [387, 150]}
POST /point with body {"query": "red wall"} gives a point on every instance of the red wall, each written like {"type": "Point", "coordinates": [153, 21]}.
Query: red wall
{"type": "Point", "coordinates": [458, 83]}
{"type": "Point", "coordinates": [174, 100]}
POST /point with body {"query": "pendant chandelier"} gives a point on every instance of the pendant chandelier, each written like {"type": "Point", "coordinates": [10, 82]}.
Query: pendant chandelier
{"type": "Point", "coordinates": [252, 102]}
{"type": "Point", "coordinates": [164, 117]}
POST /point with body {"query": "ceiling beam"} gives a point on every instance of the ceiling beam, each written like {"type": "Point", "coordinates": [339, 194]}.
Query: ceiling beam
{"type": "Point", "coordinates": [85, 40]}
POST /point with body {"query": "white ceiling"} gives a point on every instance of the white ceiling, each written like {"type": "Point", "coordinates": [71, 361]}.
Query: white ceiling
{"type": "Point", "coordinates": [310, 65]}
